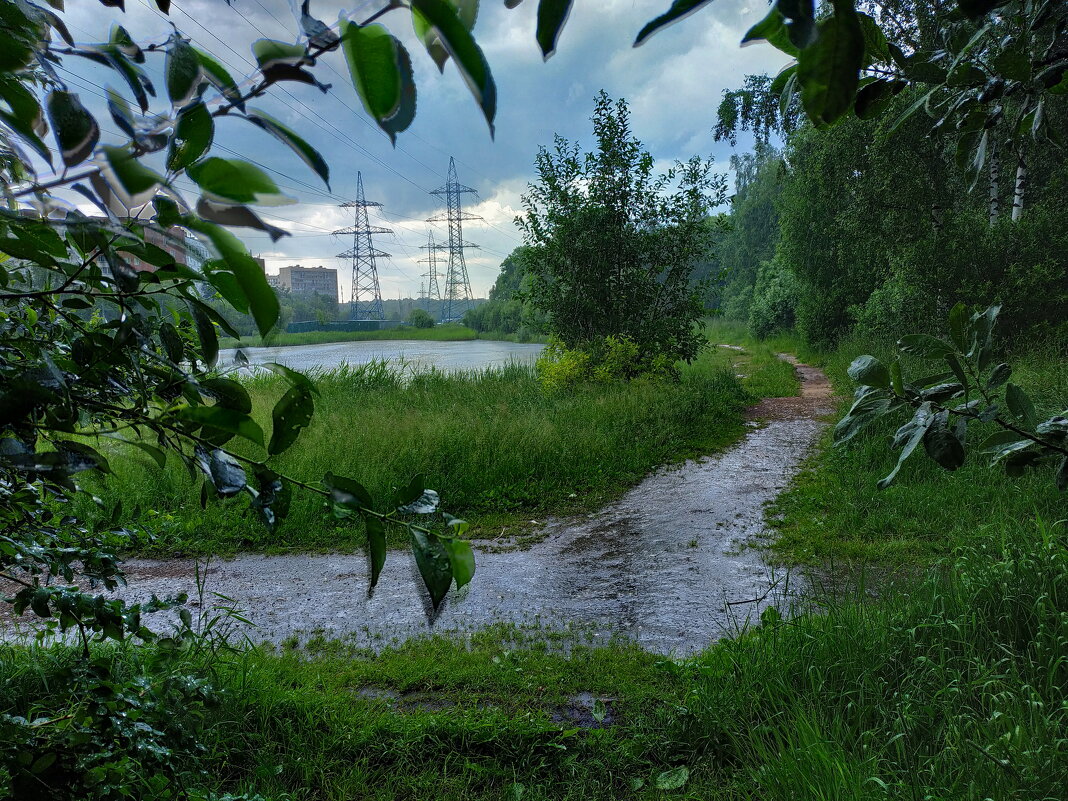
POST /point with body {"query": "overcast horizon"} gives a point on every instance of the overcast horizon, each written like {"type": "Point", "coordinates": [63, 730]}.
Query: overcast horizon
{"type": "Point", "coordinates": [673, 85]}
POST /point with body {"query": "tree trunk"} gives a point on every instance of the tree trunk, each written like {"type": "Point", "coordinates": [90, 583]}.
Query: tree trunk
{"type": "Point", "coordinates": [995, 187]}
{"type": "Point", "coordinates": [1021, 188]}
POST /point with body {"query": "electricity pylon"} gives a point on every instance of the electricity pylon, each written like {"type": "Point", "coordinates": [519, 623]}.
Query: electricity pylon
{"type": "Point", "coordinates": [365, 300]}
{"type": "Point", "coordinates": [432, 292]}
{"type": "Point", "coordinates": [457, 296]}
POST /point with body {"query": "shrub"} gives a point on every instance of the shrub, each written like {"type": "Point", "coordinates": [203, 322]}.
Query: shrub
{"type": "Point", "coordinates": [420, 318]}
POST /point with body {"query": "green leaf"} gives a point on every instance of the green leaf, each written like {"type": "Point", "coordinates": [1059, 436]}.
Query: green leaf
{"type": "Point", "coordinates": [75, 128]}
{"type": "Point", "coordinates": [192, 136]}
{"type": "Point", "coordinates": [291, 415]}
{"type": "Point", "coordinates": [133, 183]}
{"type": "Point", "coordinates": [672, 779]}
{"type": "Point", "coordinates": [224, 472]}
{"type": "Point", "coordinates": [1003, 442]}
{"type": "Point", "coordinates": [1020, 404]}
{"type": "Point", "coordinates": [680, 9]}
{"type": "Point", "coordinates": [828, 70]}
{"type": "Point", "coordinates": [957, 369]}
{"type": "Point", "coordinates": [772, 29]}
{"type": "Point", "coordinates": [262, 299]}
{"type": "Point", "coordinates": [228, 393]}
{"type": "Point", "coordinates": [236, 181]}
{"type": "Point", "coordinates": [376, 546]}
{"type": "Point", "coordinates": [183, 71]}
{"type": "Point", "coordinates": [998, 376]}
{"type": "Point", "coordinates": [374, 60]}
{"type": "Point", "coordinates": [271, 53]}
{"type": "Point", "coordinates": [237, 216]}
{"type": "Point", "coordinates": [908, 437]}
{"type": "Point", "coordinates": [896, 383]}
{"type": "Point", "coordinates": [26, 117]}
{"type": "Point", "coordinates": [461, 560]}
{"type": "Point", "coordinates": [295, 378]}
{"type": "Point", "coordinates": [869, 370]}
{"type": "Point", "coordinates": [943, 447]}
{"type": "Point", "coordinates": [308, 154]}
{"type": "Point", "coordinates": [209, 340]}
{"type": "Point", "coordinates": [467, 55]}
{"type": "Point", "coordinates": [924, 346]}
{"type": "Point", "coordinates": [432, 559]}
{"type": "Point", "coordinates": [216, 74]}
{"type": "Point", "coordinates": [413, 491]}
{"type": "Point", "coordinates": [868, 407]}
{"type": "Point", "coordinates": [172, 342]}
{"type": "Point", "coordinates": [80, 456]}
{"type": "Point", "coordinates": [229, 421]}
{"type": "Point", "coordinates": [552, 16]}
{"type": "Point", "coordinates": [348, 493]}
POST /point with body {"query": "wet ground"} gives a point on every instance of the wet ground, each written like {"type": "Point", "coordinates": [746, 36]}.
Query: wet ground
{"type": "Point", "coordinates": [666, 565]}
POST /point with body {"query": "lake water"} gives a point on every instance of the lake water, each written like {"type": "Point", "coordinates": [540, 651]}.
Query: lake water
{"type": "Point", "coordinates": [448, 356]}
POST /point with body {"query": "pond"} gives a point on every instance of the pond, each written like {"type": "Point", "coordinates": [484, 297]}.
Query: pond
{"type": "Point", "coordinates": [449, 356]}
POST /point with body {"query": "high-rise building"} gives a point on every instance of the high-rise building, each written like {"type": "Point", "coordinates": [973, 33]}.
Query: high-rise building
{"type": "Point", "coordinates": [306, 280]}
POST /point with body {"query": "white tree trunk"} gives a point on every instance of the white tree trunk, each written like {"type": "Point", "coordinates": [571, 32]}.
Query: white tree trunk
{"type": "Point", "coordinates": [995, 187]}
{"type": "Point", "coordinates": [1020, 190]}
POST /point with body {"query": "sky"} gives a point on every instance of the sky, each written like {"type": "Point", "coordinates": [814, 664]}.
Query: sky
{"type": "Point", "coordinates": [673, 84]}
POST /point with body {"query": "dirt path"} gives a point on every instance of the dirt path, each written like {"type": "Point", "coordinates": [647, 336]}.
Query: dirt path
{"type": "Point", "coordinates": [666, 564]}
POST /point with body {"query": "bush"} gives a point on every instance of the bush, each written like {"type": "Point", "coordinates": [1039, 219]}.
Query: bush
{"type": "Point", "coordinates": [613, 358]}
{"type": "Point", "coordinates": [774, 299]}
{"type": "Point", "coordinates": [420, 318]}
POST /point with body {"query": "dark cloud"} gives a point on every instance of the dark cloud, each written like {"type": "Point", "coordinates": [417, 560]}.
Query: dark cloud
{"type": "Point", "coordinates": [674, 83]}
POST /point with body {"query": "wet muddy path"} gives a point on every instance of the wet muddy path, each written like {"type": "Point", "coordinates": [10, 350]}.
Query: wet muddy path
{"type": "Point", "coordinates": [666, 564]}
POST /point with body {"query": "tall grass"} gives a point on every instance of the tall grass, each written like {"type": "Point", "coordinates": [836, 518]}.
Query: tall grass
{"type": "Point", "coordinates": [495, 446]}
{"type": "Point", "coordinates": [833, 510]}
{"type": "Point", "coordinates": [950, 687]}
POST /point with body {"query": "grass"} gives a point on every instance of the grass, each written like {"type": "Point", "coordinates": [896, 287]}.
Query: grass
{"type": "Point", "coordinates": [498, 449]}
{"type": "Point", "coordinates": [952, 687]}
{"type": "Point", "coordinates": [449, 332]}
{"type": "Point", "coordinates": [833, 510]}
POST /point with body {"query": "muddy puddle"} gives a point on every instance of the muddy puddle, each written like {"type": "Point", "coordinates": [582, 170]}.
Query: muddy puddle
{"type": "Point", "coordinates": [666, 565]}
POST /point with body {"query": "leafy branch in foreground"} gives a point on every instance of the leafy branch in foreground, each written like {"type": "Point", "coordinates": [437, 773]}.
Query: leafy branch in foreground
{"type": "Point", "coordinates": [968, 388]}
{"type": "Point", "coordinates": [107, 346]}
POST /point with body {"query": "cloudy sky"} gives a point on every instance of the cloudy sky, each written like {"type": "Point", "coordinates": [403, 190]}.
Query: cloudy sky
{"type": "Point", "coordinates": [673, 84]}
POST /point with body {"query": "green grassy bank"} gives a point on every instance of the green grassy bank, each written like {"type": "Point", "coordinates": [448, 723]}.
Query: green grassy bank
{"type": "Point", "coordinates": [451, 332]}
{"type": "Point", "coordinates": [833, 511]}
{"type": "Point", "coordinates": [498, 448]}
{"type": "Point", "coordinates": [952, 688]}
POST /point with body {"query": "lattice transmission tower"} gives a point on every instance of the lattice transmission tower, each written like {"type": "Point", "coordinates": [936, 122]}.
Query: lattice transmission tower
{"type": "Point", "coordinates": [365, 300]}
{"type": "Point", "coordinates": [457, 297]}
{"type": "Point", "coordinates": [430, 290]}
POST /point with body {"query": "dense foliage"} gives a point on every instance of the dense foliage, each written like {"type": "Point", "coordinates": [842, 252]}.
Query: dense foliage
{"type": "Point", "coordinates": [613, 245]}
{"type": "Point", "coordinates": [508, 310]}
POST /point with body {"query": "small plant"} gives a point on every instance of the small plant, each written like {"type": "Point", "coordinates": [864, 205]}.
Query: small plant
{"type": "Point", "coordinates": [967, 388]}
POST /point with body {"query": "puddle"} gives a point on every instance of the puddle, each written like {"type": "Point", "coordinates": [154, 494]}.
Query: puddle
{"type": "Point", "coordinates": [667, 565]}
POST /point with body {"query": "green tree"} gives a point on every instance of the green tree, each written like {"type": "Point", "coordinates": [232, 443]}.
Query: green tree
{"type": "Point", "coordinates": [613, 245]}
{"type": "Point", "coordinates": [420, 318]}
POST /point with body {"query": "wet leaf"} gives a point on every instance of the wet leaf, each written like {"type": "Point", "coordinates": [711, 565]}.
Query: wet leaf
{"type": "Point", "coordinates": [75, 128]}
{"type": "Point", "coordinates": [347, 493]}
{"type": "Point", "coordinates": [672, 779]}
{"type": "Point", "coordinates": [376, 546]}
{"type": "Point", "coordinates": [433, 562]}
{"type": "Point", "coordinates": [461, 560]}
{"type": "Point", "coordinates": [680, 9]}
{"type": "Point", "coordinates": [291, 415]}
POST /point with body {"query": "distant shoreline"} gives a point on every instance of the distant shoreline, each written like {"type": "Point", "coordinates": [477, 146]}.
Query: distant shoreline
{"type": "Point", "coordinates": [449, 332]}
